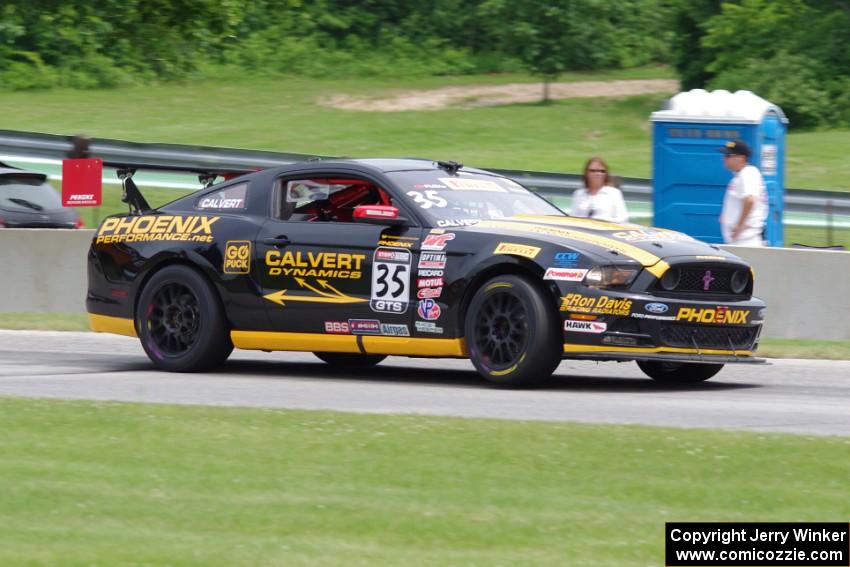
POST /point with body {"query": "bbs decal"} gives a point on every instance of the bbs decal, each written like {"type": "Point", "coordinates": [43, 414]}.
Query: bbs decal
{"type": "Point", "coordinates": [390, 280]}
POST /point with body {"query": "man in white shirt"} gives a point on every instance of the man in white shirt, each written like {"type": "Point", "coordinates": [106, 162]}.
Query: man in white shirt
{"type": "Point", "coordinates": [745, 203]}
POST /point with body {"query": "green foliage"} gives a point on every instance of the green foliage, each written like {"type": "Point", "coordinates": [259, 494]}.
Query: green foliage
{"type": "Point", "coordinates": [790, 81]}
{"type": "Point", "coordinates": [572, 35]}
{"type": "Point", "coordinates": [688, 56]}
{"type": "Point", "coordinates": [24, 70]}
{"type": "Point", "coordinates": [791, 52]}
{"type": "Point", "coordinates": [83, 44]}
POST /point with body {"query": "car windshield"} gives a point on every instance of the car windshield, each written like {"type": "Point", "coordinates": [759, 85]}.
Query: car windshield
{"type": "Point", "coordinates": [18, 193]}
{"type": "Point", "coordinates": [466, 198]}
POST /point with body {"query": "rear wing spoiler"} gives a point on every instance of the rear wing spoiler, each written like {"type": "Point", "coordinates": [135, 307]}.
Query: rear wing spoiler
{"type": "Point", "coordinates": [207, 162]}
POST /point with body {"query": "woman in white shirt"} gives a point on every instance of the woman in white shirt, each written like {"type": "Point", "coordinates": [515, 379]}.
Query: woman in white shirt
{"type": "Point", "coordinates": [599, 199]}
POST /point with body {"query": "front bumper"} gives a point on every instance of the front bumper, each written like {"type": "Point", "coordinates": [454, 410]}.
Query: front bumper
{"type": "Point", "coordinates": [606, 325]}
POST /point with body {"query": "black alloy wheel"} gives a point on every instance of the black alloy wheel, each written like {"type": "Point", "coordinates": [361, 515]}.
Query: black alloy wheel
{"type": "Point", "coordinates": [181, 323]}
{"type": "Point", "coordinates": [173, 318]}
{"type": "Point", "coordinates": [678, 372]}
{"type": "Point", "coordinates": [512, 332]}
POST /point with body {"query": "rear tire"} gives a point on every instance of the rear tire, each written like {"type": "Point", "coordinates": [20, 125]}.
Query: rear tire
{"type": "Point", "coordinates": [678, 372]}
{"type": "Point", "coordinates": [350, 360]}
{"type": "Point", "coordinates": [181, 323]}
{"type": "Point", "coordinates": [512, 332]}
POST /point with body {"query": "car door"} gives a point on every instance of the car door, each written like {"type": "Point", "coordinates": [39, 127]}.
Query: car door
{"type": "Point", "coordinates": [322, 273]}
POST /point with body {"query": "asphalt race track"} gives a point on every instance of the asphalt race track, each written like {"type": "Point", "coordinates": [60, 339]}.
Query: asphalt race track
{"type": "Point", "coordinates": [796, 396]}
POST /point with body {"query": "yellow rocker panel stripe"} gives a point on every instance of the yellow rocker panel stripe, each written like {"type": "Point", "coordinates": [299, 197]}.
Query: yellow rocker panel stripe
{"type": "Point", "coordinates": [108, 324]}
{"type": "Point", "coordinates": [313, 342]}
{"type": "Point", "coordinates": [651, 350]}
{"type": "Point", "coordinates": [407, 346]}
{"type": "Point", "coordinates": [318, 342]}
{"type": "Point", "coordinates": [650, 261]}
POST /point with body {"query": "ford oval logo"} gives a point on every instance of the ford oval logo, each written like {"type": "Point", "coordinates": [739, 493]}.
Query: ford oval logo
{"type": "Point", "coordinates": [656, 307]}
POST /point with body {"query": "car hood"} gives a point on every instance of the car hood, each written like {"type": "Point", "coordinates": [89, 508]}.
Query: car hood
{"type": "Point", "coordinates": [653, 248]}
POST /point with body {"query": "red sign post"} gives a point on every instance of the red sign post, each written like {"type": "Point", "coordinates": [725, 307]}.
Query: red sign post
{"type": "Point", "coordinates": [82, 182]}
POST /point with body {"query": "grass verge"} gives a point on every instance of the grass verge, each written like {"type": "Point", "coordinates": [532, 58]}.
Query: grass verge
{"type": "Point", "coordinates": [282, 114]}
{"type": "Point", "coordinates": [770, 348]}
{"type": "Point", "coordinates": [107, 484]}
{"type": "Point", "coordinates": [804, 348]}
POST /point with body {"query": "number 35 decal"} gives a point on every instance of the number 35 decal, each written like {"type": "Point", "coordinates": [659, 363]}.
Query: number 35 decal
{"type": "Point", "coordinates": [428, 200]}
{"type": "Point", "coordinates": [390, 280]}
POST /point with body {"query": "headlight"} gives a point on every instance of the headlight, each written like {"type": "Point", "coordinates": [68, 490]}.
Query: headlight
{"type": "Point", "coordinates": [740, 279]}
{"type": "Point", "coordinates": [670, 279]}
{"type": "Point", "coordinates": [610, 276]}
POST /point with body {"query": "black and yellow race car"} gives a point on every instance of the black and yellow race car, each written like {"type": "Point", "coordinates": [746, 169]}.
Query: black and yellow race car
{"type": "Point", "coordinates": [358, 259]}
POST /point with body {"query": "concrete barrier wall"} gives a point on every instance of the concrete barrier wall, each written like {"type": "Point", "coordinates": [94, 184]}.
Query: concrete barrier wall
{"type": "Point", "coordinates": [807, 291]}
{"type": "Point", "coordinates": [43, 269]}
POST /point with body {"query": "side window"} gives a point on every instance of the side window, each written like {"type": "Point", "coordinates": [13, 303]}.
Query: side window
{"type": "Point", "coordinates": [233, 197]}
{"type": "Point", "coordinates": [322, 199]}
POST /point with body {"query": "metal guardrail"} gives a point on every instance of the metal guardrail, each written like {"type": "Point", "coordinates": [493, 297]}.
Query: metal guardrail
{"type": "Point", "coordinates": [206, 158]}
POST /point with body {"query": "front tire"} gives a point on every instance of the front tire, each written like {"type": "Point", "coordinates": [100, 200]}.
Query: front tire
{"type": "Point", "coordinates": [350, 360]}
{"type": "Point", "coordinates": [512, 332]}
{"type": "Point", "coordinates": [678, 372]}
{"type": "Point", "coordinates": [181, 323]}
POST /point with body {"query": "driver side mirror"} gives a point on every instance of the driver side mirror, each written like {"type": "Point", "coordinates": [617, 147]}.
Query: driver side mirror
{"type": "Point", "coordinates": [378, 214]}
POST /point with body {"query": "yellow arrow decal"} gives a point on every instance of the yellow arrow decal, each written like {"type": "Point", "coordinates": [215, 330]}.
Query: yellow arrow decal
{"type": "Point", "coordinates": [279, 297]}
{"type": "Point", "coordinates": [303, 283]}
{"type": "Point", "coordinates": [326, 285]}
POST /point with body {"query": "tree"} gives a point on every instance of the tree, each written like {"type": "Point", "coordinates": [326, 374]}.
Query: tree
{"type": "Point", "coordinates": [553, 37]}
{"type": "Point", "coordinates": [688, 55]}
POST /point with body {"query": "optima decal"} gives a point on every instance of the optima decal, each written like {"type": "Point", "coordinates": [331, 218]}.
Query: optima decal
{"type": "Point", "coordinates": [432, 260]}
{"type": "Point", "coordinates": [150, 228]}
{"type": "Point", "coordinates": [237, 257]}
{"type": "Point", "coordinates": [602, 305]}
{"type": "Point", "coordinates": [315, 264]}
{"type": "Point", "coordinates": [718, 315]}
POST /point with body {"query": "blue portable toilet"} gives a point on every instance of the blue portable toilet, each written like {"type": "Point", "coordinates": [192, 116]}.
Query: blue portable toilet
{"type": "Point", "coordinates": [689, 179]}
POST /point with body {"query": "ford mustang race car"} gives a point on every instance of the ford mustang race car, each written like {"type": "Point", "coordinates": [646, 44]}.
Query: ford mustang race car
{"type": "Point", "coordinates": [358, 259]}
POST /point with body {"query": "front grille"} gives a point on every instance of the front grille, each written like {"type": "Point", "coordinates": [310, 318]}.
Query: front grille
{"type": "Point", "coordinates": [718, 336]}
{"type": "Point", "coordinates": [706, 282]}
{"type": "Point", "coordinates": [695, 279]}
